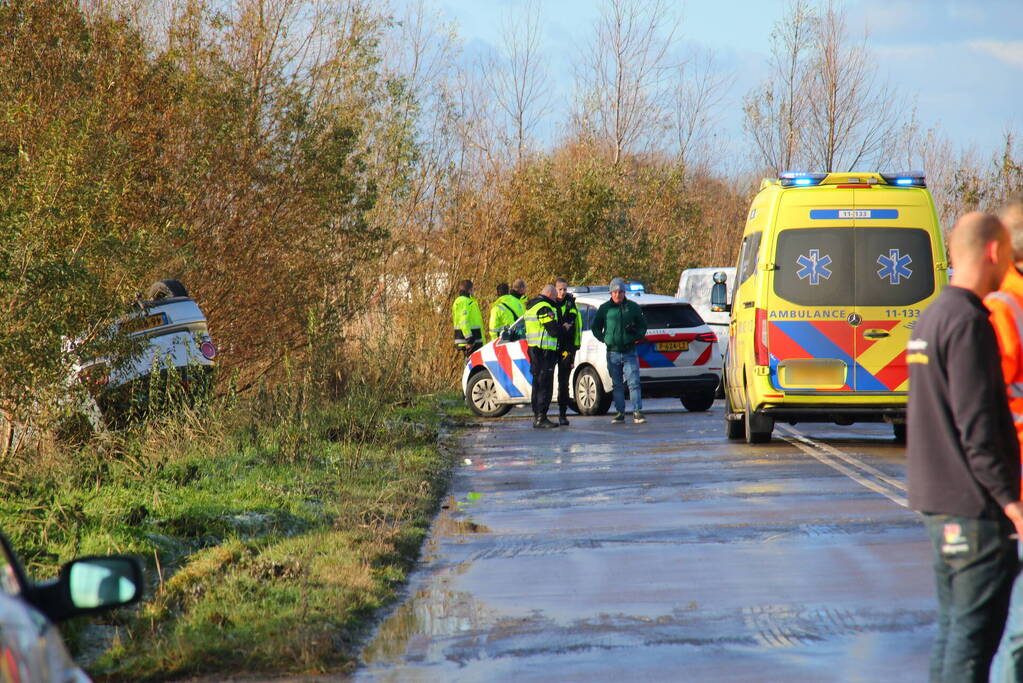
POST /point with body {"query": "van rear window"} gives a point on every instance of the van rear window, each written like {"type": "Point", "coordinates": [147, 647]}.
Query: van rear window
{"type": "Point", "coordinates": [854, 266]}
{"type": "Point", "coordinates": [671, 316]}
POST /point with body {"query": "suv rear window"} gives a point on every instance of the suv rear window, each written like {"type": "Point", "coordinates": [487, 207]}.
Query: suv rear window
{"type": "Point", "coordinates": [854, 266]}
{"type": "Point", "coordinates": [669, 316]}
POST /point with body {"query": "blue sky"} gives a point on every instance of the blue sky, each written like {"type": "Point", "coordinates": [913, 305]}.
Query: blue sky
{"type": "Point", "coordinates": [960, 61]}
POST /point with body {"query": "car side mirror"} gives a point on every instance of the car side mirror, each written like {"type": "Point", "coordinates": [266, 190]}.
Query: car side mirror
{"type": "Point", "coordinates": [88, 585]}
{"type": "Point", "coordinates": [719, 296]}
{"type": "Point", "coordinates": [102, 582]}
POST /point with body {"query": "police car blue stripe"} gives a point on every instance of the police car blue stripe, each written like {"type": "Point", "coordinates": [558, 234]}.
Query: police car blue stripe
{"type": "Point", "coordinates": [819, 346]}
{"type": "Point", "coordinates": [502, 378]}
{"type": "Point", "coordinates": [523, 365]}
{"type": "Point", "coordinates": [653, 358]}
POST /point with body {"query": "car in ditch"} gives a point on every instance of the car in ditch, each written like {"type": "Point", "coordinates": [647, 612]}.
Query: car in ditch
{"type": "Point", "coordinates": [173, 351]}
{"type": "Point", "coordinates": [677, 358]}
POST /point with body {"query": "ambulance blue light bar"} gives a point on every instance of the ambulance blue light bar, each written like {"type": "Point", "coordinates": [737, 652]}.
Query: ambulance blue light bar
{"type": "Point", "coordinates": [905, 179]}
{"type": "Point", "coordinates": [800, 179]}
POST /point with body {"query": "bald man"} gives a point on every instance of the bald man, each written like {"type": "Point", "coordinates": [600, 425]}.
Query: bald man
{"type": "Point", "coordinates": [963, 465]}
{"type": "Point", "coordinates": [542, 335]}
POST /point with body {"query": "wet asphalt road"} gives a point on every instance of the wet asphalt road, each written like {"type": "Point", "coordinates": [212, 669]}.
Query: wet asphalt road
{"type": "Point", "coordinates": [665, 552]}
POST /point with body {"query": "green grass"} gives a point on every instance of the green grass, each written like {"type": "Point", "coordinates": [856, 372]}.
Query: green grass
{"type": "Point", "coordinates": [272, 534]}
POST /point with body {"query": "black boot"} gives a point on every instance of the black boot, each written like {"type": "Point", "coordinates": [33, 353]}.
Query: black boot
{"type": "Point", "coordinates": [543, 423]}
{"type": "Point", "coordinates": [562, 420]}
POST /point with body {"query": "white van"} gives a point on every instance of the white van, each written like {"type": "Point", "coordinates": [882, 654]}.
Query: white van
{"type": "Point", "coordinates": [694, 286]}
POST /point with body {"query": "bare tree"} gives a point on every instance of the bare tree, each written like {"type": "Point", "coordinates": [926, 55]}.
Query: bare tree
{"type": "Point", "coordinates": [698, 95]}
{"type": "Point", "coordinates": [853, 116]}
{"type": "Point", "coordinates": [624, 73]}
{"type": "Point", "coordinates": [776, 111]}
{"type": "Point", "coordinates": [519, 82]}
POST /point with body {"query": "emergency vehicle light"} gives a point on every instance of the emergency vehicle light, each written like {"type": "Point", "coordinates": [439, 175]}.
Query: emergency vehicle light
{"type": "Point", "coordinates": [905, 179]}
{"type": "Point", "coordinates": [636, 287]}
{"type": "Point", "coordinates": [801, 179]}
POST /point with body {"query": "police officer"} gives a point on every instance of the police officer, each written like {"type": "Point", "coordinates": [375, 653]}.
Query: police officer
{"type": "Point", "coordinates": [571, 323]}
{"type": "Point", "coordinates": [542, 333]}
{"type": "Point", "coordinates": [518, 289]}
{"type": "Point", "coordinates": [505, 311]}
{"type": "Point", "coordinates": [466, 318]}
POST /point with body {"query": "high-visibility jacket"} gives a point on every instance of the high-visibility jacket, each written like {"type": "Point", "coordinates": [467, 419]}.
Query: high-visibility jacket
{"type": "Point", "coordinates": [1006, 307]}
{"type": "Point", "coordinates": [569, 312]}
{"type": "Point", "coordinates": [542, 324]}
{"type": "Point", "coordinates": [465, 315]}
{"type": "Point", "coordinates": [505, 311]}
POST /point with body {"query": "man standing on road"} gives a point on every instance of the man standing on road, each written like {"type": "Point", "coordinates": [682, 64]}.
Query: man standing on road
{"type": "Point", "coordinates": [620, 323]}
{"type": "Point", "coordinates": [568, 343]}
{"type": "Point", "coordinates": [542, 333]}
{"type": "Point", "coordinates": [963, 466]}
{"type": "Point", "coordinates": [466, 318]}
{"type": "Point", "coordinates": [1006, 306]}
{"type": "Point", "coordinates": [506, 310]}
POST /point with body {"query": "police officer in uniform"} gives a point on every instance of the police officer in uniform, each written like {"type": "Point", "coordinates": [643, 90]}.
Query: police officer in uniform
{"type": "Point", "coordinates": [542, 333]}
{"type": "Point", "coordinates": [505, 311]}
{"type": "Point", "coordinates": [466, 318]}
{"type": "Point", "coordinates": [571, 323]}
{"type": "Point", "coordinates": [518, 288]}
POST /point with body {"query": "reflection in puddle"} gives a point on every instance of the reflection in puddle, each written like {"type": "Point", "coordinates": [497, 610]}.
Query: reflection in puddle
{"type": "Point", "coordinates": [422, 623]}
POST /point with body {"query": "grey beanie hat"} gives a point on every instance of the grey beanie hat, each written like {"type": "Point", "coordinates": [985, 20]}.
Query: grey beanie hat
{"type": "Point", "coordinates": [617, 285]}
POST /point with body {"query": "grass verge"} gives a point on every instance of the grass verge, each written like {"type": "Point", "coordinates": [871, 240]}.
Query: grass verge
{"type": "Point", "coordinates": [272, 535]}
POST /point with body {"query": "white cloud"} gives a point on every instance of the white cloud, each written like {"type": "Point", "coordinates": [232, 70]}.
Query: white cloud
{"type": "Point", "coordinates": [1007, 51]}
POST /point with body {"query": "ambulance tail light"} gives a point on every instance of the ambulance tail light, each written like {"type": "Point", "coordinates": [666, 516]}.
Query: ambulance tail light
{"type": "Point", "coordinates": [760, 338]}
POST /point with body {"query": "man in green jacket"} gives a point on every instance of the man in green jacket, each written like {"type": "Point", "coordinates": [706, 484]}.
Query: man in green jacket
{"type": "Point", "coordinates": [466, 318]}
{"type": "Point", "coordinates": [620, 323]}
{"type": "Point", "coordinates": [506, 310]}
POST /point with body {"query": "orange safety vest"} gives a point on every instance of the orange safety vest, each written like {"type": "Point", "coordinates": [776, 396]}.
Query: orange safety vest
{"type": "Point", "coordinates": [1006, 306]}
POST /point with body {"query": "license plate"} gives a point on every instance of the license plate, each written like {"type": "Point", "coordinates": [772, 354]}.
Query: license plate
{"type": "Point", "coordinates": [146, 323]}
{"type": "Point", "coordinates": [673, 346]}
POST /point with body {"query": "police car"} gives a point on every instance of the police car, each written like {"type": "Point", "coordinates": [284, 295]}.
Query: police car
{"type": "Point", "coordinates": [679, 357]}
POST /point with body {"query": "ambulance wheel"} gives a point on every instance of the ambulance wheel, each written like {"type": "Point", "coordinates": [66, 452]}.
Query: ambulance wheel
{"type": "Point", "coordinates": [899, 431]}
{"type": "Point", "coordinates": [758, 427]}
{"type": "Point", "coordinates": [698, 401]}
{"type": "Point", "coordinates": [590, 397]}
{"type": "Point", "coordinates": [481, 396]}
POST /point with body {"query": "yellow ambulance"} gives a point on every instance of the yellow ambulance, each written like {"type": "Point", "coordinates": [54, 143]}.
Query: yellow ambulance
{"type": "Point", "coordinates": [833, 272]}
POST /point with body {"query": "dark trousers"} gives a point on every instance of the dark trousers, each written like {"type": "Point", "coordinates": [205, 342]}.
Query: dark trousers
{"type": "Point", "coordinates": [975, 563]}
{"type": "Point", "coordinates": [541, 365]}
{"type": "Point", "coordinates": [565, 365]}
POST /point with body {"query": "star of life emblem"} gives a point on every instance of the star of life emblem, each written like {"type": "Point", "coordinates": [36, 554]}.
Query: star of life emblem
{"type": "Point", "coordinates": [895, 267]}
{"type": "Point", "coordinates": [814, 267]}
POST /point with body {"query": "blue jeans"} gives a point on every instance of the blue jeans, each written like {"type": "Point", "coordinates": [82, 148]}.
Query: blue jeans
{"type": "Point", "coordinates": [1008, 664]}
{"type": "Point", "coordinates": [975, 563]}
{"type": "Point", "coordinates": [627, 364]}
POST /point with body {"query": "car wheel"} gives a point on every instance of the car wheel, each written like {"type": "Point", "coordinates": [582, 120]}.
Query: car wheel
{"type": "Point", "coordinates": [590, 397]}
{"type": "Point", "coordinates": [758, 427]}
{"type": "Point", "coordinates": [481, 396]}
{"type": "Point", "coordinates": [698, 401]}
{"type": "Point", "coordinates": [899, 432]}
{"type": "Point", "coordinates": [165, 289]}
